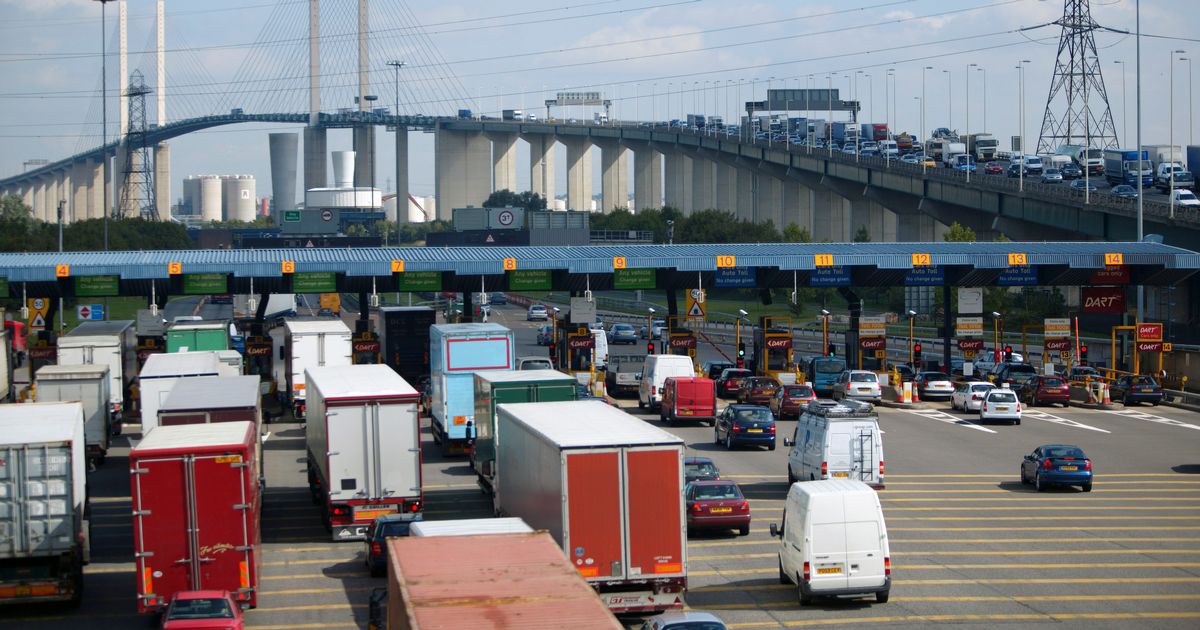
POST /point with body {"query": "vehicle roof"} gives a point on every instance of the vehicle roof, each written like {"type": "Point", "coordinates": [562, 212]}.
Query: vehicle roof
{"type": "Point", "coordinates": [100, 328]}
{"type": "Point", "coordinates": [208, 325]}
{"type": "Point", "coordinates": [160, 365]}
{"type": "Point", "coordinates": [1059, 446]}
{"type": "Point", "coordinates": [316, 326]}
{"type": "Point", "coordinates": [199, 594]}
{"type": "Point", "coordinates": [218, 392]}
{"type": "Point", "coordinates": [470, 526]}
{"type": "Point", "coordinates": [831, 486]}
{"type": "Point", "coordinates": [537, 306]}
{"type": "Point", "coordinates": [55, 422]}
{"type": "Point", "coordinates": [697, 460]}
{"type": "Point", "coordinates": [358, 381]}
{"type": "Point", "coordinates": [676, 617]}
{"type": "Point", "coordinates": [519, 376]}
{"type": "Point", "coordinates": [560, 423]}
{"type": "Point", "coordinates": [93, 370]}
{"type": "Point", "coordinates": [736, 406]}
{"type": "Point", "coordinates": [450, 330]}
{"type": "Point", "coordinates": [711, 482]}
{"type": "Point", "coordinates": [212, 434]}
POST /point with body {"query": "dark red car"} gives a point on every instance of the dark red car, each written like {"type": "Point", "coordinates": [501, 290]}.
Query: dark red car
{"type": "Point", "coordinates": [730, 382]}
{"type": "Point", "coordinates": [789, 400]}
{"type": "Point", "coordinates": [993, 168]}
{"type": "Point", "coordinates": [717, 504]}
{"type": "Point", "coordinates": [194, 610]}
{"type": "Point", "coordinates": [1043, 389]}
{"type": "Point", "coordinates": [757, 390]}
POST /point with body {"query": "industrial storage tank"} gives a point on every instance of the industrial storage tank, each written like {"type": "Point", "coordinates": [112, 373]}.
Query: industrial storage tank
{"type": "Point", "coordinates": [240, 195]}
{"type": "Point", "coordinates": [191, 194]}
{"type": "Point", "coordinates": [210, 198]}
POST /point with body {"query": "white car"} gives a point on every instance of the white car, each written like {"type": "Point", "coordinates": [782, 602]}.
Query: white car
{"type": "Point", "coordinates": [860, 384]}
{"type": "Point", "coordinates": [537, 312]}
{"type": "Point", "coordinates": [1000, 404]}
{"type": "Point", "coordinates": [969, 396]}
{"type": "Point", "coordinates": [1184, 198]}
{"type": "Point", "coordinates": [932, 385]}
{"type": "Point", "coordinates": [683, 621]}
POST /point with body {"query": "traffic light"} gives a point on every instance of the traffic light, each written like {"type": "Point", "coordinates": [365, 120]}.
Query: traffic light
{"type": "Point", "coordinates": [831, 350]}
{"type": "Point", "coordinates": [741, 354]}
{"type": "Point", "coordinates": [917, 354]}
{"type": "Point", "coordinates": [553, 357]}
{"type": "Point", "coordinates": [1008, 354]}
{"type": "Point", "coordinates": [1082, 355]}
{"type": "Point", "coordinates": [649, 347]}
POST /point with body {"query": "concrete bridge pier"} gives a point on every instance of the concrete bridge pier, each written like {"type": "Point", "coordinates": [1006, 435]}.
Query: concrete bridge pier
{"type": "Point", "coordinates": [162, 181]}
{"type": "Point", "coordinates": [678, 180]}
{"type": "Point", "coordinates": [579, 173]}
{"type": "Point", "coordinates": [725, 186]}
{"type": "Point", "coordinates": [402, 190]}
{"type": "Point", "coordinates": [703, 181]}
{"type": "Point", "coordinates": [316, 174]}
{"type": "Point", "coordinates": [797, 201]}
{"type": "Point", "coordinates": [647, 177]}
{"type": "Point", "coordinates": [364, 156]}
{"type": "Point", "coordinates": [614, 175]}
{"type": "Point", "coordinates": [745, 192]}
{"type": "Point", "coordinates": [81, 178]}
{"type": "Point", "coordinates": [768, 197]}
{"type": "Point", "coordinates": [541, 166]}
{"type": "Point", "coordinates": [504, 161]}
{"type": "Point", "coordinates": [831, 216]}
{"type": "Point", "coordinates": [95, 192]}
{"type": "Point", "coordinates": [462, 170]}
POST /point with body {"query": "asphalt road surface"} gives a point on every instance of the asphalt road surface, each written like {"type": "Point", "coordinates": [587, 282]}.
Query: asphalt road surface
{"type": "Point", "coordinates": [970, 545]}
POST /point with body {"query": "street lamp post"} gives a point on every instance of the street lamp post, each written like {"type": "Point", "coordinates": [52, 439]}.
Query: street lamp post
{"type": "Point", "coordinates": [737, 337]}
{"type": "Point", "coordinates": [996, 317]}
{"type": "Point", "coordinates": [650, 323]}
{"type": "Point", "coordinates": [824, 331]}
{"type": "Point", "coordinates": [924, 156]}
{"type": "Point", "coordinates": [1021, 116]}
{"type": "Point", "coordinates": [967, 125]}
{"type": "Point", "coordinates": [1124, 112]}
{"type": "Point", "coordinates": [923, 101]}
{"type": "Point", "coordinates": [1191, 121]}
{"type": "Point", "coordinates": [1171, 127]}
{"type": "Point", "coordinates": [949, 98]}
{"type": "Point", "coordinates": [401, 204]}
{"type": "Point", "coordinates": [984, 71]}
{"type": "Point", "coordinates": [829, 119]}
{"type": "Point", "coordinates": [104, 116]}
{"type": "Point", "coordinates": [911, 314]}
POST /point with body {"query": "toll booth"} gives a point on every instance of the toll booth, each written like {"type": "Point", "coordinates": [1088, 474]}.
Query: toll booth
{"type": "Point", "coordinates": [576, 346]}
{"type": "Point", "coordinates": [365, 348]}
{"type": "Point", "coordinates": [42, 349]}
{"type": "Point", "coordinates": [258, 359]}
{"type": "Point", "coordinates": [773, 347]}
{"type": "Point", "coordinates": [148, 345]}
{"type": "Point", "coordinates": [682, 342]}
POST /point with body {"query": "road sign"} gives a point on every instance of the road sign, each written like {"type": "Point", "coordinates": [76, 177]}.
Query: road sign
{"type": "Point", "coordinates": [970, 300]}
{"type": "Point", "coordinates": [1057, 327]}
{"type": "Point", "coordinates": [1168, 347]}
{"type": "Point", "coordinates": [970, 345]}
{"type": "Point", "coordinates": [1062, 345]}
{"type": "Point", "coordinates": [872, 326]}
{"type": "Point", "coordinates": [1150, 346]}
{"type": "Point", "coordinates": [968, 327]}
{"type": "Point", "coordinates": [94, 312]}
{"type": "Point", "coordinates": [1149, 332]}
{"type": "Point", "coordinates": [38, 307]}
{"type": "Point", "coordinates": [695, 304]}
{"type": "Point", "coordinates": [873, 343]}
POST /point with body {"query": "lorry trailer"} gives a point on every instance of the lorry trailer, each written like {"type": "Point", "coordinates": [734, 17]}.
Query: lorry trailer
{"type": "Point", "coordinates": [456, 353]}
{"type": "Point", "coordinates": [113, 343]}
{"type": "Point", "coordinates": [89, 385]}
{"type": "Point", "coordinates": [509, 386]}
{"type": "Point", "coordinates": [302, 345]}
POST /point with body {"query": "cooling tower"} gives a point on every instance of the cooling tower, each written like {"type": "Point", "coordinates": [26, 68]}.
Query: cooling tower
{"type": "Point", "coordinates": [239, 195]}
{"type": "Point", "coordinates": [283, 169]}
{"type": "Point", "coordinates": [191, 194]}
{"type": "Point", "coordinates": [210, 198]}
{"type": "Point", "coordinates": [343, 169]}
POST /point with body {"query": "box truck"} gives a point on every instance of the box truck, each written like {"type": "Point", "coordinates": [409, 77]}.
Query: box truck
{"type": "Point", "coordinates": [217, 399]}
{"type": "Point", "coordinates": [456, 352]}
{"type": "Point", "coordinates": [518, 386]}
{"type": "Point", "coordinates": [89, 385]}
{"type": "Point", "coordinates": [43, 517]}
{"type": "Point", "coordinates": [1122, 166]}
{"type": "Point", "coordinates": [301, 345]}
{"type": "Point", "coordinates": [196, 508]}
{"type": "Point", "coordinates": [112, 343]}
{"type": "Point", "coordinates": [608, 487]}
{"type": "Point", "coordinates": [499, 581]}
{"type": "Point", "coordinates": [197, 336]}
{"type": "Point", "coordinates": [364, 447]}
{"type": "Point", "coordinates": [162, 372]}
{"type": "Point", "coordinates": [404, 336]}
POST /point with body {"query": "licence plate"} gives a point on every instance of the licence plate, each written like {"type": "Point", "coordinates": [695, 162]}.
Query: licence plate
{"type": "Point", "coordinates": [371, 511]}
{"type": "Point", "coordinates": [1068, 468]}
{"type": "Point", "coordinates": [829, 570]}
{"type": "Point", "coordinates": [1147, 389]}
{"type": "Point", "coordinates": [753, 430]}
{"type": "Point", "coordinates": [864, 389]}
{"type": "Point", "coordinates": [721, 510]}
{"type": "Point", "coordinates": [841, 474]}
{"type": "Point", "coordinates": [1001, 408]}
{"type": "Point", "coordinates": [686, 412]}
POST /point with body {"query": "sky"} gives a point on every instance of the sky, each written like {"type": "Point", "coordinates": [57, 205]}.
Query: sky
{"type": "Point", "coordinates": [655, 59]}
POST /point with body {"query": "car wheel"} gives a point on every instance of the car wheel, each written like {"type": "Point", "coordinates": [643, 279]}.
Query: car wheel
{"type": "Point", "coordinates": [728, 443]}
{"type": "Point", "coordinates": [641, 405]}
{"type": "Point", "coordinates": [1038, 483]}
{"type": "Point", "coordinates": [783, 578]}
{"type": "Point", "coordinates": [1066, 404]}
{"type": "Point", "coordinates": [378, 571]}
{"type": "Point", "coordinates": [771, 447]}
{"type": "Point", "coordinates": [744, 530]}
{"type": "Point", "coordinates": [1024, 479]}
{"type": "Point", "coordinates": [1017, 422]}
{"type": "Point", "coordinates": [1087, 487]}
{"type": "Point", "coordinates": [716, 436]}
{"type": "Point", "coordinates": [791, 478]}
{"type": "Point", "coordinates": [882, 596]}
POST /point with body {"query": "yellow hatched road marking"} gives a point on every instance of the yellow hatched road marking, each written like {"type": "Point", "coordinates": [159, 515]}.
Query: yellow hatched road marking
{"type": "Point", "coordinates": [314, 591]}
{"type": "Point", "coordinates": [884, 494]}
{"type": "Point", "coordinates": [1107, 528]}
{"type": "Point", "coordinates": [965, 541]}
{"type": "Point", "coordinates": [314, 576]}
{"type": "Point", "coordinates": [976, 483]}
{"type": "Point", "coordinates": [1032, 497]}
{"type": "Point", "coordinates": [275, 609]}
{"type": "Point", "coordinates": [1004, 476]}
{"type": "Point", "coordinates": [1026, 518]}
{"type": "Point", "coordinates": [964, 618]}
{"type": "Point", "coordinates": [774, 570]}
{"type": "Point", "coordinates": [972, 552]}
{"type": "Point", "coordinates": [1075, 580]}
{"type": "Point", "coordinates": [790, 603]}
{"type": "Point", "coordinates": [1073, 508]}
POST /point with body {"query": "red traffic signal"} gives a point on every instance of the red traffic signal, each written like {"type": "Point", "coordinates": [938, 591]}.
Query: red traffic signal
{"type": "Point", "coordinates": [917, 348]}
{"type": "Point", "coordinates": [1007, 349]}
{"type": "Point", "coordinates": [650, 347]}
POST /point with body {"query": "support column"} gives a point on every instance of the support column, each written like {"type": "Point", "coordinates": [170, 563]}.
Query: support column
{"type": "Point", "coordinates": [53, 194]}
{"type": "Point", "coordinates": [797, 206]}
{"type": "Point", "coordinates": [462, 170]}
{"type": "Point", "coordinates": [768, 199]}
{"type": "Point", "coordinates": [726, 187]}
{"type": "Point", "coordinates": [504, 161]}
{"type": "Point", "coordinates": [745, 193]}
{"type": "Point", "coordinates": [364, 156]}
{"type": "Point", "coordinates": [95, 193]}
{"type": "Point", "coordinates": [830, 216]}
{"type": "Point", "coordinates": [402, 174]}
{"type": "Point", "coordinates": [39, 197]}
{"type": "Point", "coordinates": [81, 177]}
{"type": "Point", "coordinates": [162, 181]}
{"type": "Point", "coordinates": [315, 168]}
{"type": "Point", "coordinates": [579, 174]}
{"type": "Point", "coordinates": [27, 193]}
{"type": "Point", "coordinates": [541, 166]}
{"type": "Point", "coordinates": [647, 178]}
{"type": "Point", "coordinates": [677, 182]}
{"type": "Point", "coordinates": [917, 228]}
{"type": "Point", "coordinates": [703, 196]}
{"type": "Point", "coordinates": [614, 176]}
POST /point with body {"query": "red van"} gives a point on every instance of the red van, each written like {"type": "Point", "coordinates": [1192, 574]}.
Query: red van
{"type": "Point", "coordinates": [688, 398]}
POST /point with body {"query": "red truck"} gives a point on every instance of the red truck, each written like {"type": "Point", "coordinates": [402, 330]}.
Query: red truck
{"type": "Point", "coordinates": [608, 487]}
{"type": "Point", "coordinates": [196, 508]}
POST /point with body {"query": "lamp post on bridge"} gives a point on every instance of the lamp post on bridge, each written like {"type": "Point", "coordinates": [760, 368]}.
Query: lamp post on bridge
{"type": "Point", "coordinates": [104, 116]}
{"type": "Point", "coordinates": [400, 203]}
{"type": "Point", "coordinates": [1124, 117]}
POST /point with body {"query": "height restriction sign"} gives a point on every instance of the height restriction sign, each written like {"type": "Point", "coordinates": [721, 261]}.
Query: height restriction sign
{"type": "Point", "coordinates": [695, 304]}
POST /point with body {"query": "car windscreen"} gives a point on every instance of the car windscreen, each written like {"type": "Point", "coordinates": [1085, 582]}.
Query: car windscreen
{"type": "Point", "coordinates": [537, 365]}
{"type": "Point", "coordinates": [624, 328]}
{"type": "Point", "coordinates": [1147, 381]}
{"type": "Point", "coordinates": [695, 625]}
{"type": "Point", "coordinates": [863, 377]}
{"type": "Point", "coordinates": [829, 366]}
{"type": "Point", "coordinates": [798, 390]}
{"type": "Point", "coordinates": [1052, 382]}
{"type": "Point", "coordinates": [982, 387]}
{"type": "Point", "coordinates": [394, 529]}
{"type": "Point", "coordinates": [736, 373]}
{"type": "Point", "coordinates": [200, 608]}
{"type": "Point", "coordinates": [760, 414]}
{"type": "Point", "coordinates": [701, 468]}
{"type": "Point", "coordinates": [1002, 397]}
{"type": "Point", "coordinates": [718, 491]}
{"type": "Point", "coordinates": [934, 376]}
{"type": "Point", "coordinates": [1021, 367]}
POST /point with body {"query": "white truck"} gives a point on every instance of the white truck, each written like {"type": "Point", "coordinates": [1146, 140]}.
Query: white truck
{"type": "Point", "coordinates": [299, 345]}
{"type": "Point", "coordinates": [7, 391]}
{"type": "Point", "coordinates": [364, 446]}
{"type": "Point", "coordinates": [982, 145]}
{"type": "Point", "coordinates": [951, 151]}
{"type": "Point", "coordinates": [89, 385]}
{"type": "Point", "coordinates": [162, 371]}
{"type": "Point", "coordinates": [112, 343]}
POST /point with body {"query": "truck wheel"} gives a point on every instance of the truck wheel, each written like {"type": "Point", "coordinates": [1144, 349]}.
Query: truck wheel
{"type": "Point", "coordinates": [883, 596]}
{"type": "Point", "coordinates": [791, 478]}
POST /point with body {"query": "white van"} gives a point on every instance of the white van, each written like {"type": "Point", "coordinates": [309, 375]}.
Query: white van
{"type": "Point", "coordinates": [655, 372]}
{"type": "Point", "coordinates": [834, 542]}
{"type": "Point", "coordinates": [837, 441]}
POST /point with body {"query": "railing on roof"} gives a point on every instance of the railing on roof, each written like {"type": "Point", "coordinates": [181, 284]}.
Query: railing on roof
{"type": "Point", "coordinates": [621, 236]}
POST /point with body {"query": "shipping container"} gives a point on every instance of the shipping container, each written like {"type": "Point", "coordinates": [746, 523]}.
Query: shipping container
{"type": "Point", "coordinates": [302, 345]}
{"type": "Point", "coordinates": [196, 508]}
{"type": "Point", "coordinates": [469, 527]}
{"type": "Point", "coordinates": [197, 336]}
{"type": "Point", "coordinates": [162, 372]}
{"type": "Point", "coordinates": [493, 581]}
{"type": "Point", "coordinates": [112, 343]}
{"type": "Point", "coordinates": [456, 352]}
{"type": "Point", "coordinates": [404, 336]}
{"type": "Point", "coordinates": [89, 385]}
{"type": "Point", "coordinates": [43, 494]}
{"type": "Point", "coordinates": [364, 446]}
{"type": "Point", "coordinates": [608, 487]}
{"type": "Point", "coordinates": [519, 386]}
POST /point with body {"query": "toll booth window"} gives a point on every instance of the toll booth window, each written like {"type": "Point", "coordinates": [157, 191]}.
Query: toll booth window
{"type": "Point", "coordinates": [259, 365]}
{"type": "Point", "coordinates": [777, 358]}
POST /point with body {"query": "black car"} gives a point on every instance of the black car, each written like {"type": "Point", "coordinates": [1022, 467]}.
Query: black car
{"type": "Point", "coordinates": [1124, 191]}
{"type": "Point", "coordinates": [1070, 170]}
{"type": "Point", "coordinates": [1014, 373]}
{"type": "Point", "coordinates": [382, 528]}
{"type": "Point", "coordinates": [699, 468]}
{"type": "Point", "coordinates": [498, 298]}
{"type": "Point", "coordinates": [745, 424]}
{"type": "Point", "coordinates": [1014, 170]}
{"type": "Point", "coordinates": [713, 369]}
{"type": "Point", "coordinates": [1082, 185]}
{"type": "Point", "coordinates": [1136, 389]}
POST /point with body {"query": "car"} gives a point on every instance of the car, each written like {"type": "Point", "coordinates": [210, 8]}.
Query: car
{"type": "Point", "coordinates": [326, 312]}
{"type": "Point", "coordinates": [655, 329]}
{"type": "Point", "coordinates": [713, 369]}
{"type": "Point", "coordinates": [537, 312]}
{"type": "Point", "coordinates": [1086, 185]}
{"type": "Point", "coordinates": [757, 390]}
{"type": "Point", "coordinates": [383, 527]}
{"type": "Point", "coordinates": [690, 620]}
{"type": "Point", "coordinates": [909, 158]}
{"type": "Point", "coordinates": [928, 162]}
{"type": "Point", "coordinates": [1052, 176]}
{"type": "Point", "coordinates": [969, 396]}
{"type": "Point", "coordinates": [1124, 191]}
{"type": "Point", "coordinates": [1000, 403]}
{"type": "Point", "coordinates": [993, 168]}
{"type": "Point", "coordinates": [745, 424]}
{"type": "Point", "coordinates": [1130, 389]}
{"type": "Point", "coordinates": [498, 297]}
{"type": "Point", "coordinates": [699, 469]}
{"type": "Point", "coordinates": [931, 385]}
{"type": "Point", "coordinates": [869, 153]}
{"type": "Point", "coordinates": [1080, 373]}
{"type": "Point", "coordinates": [716, 504]}
{"type": "Point", "coordinates": [907, 373]}
{"type": "Point", "coordinates": [858, 384]}
{"type": "Point", "coordinates": [534, 363]}
{"type": "Point", "coordinates": [622, 333]}
{"type": "Point", "coordinates": [730, 381]}
{"type": "Point", "coordinates": [1014, 169]}
{"type": "Point", "coordinates": [545, 335]}
{"type": "Point", "coordinates": [789, 400]}
{"type": "Point", "coordinates": [1184, 197]}
{"type": "Point", "coordinates": [1057, 464]}
{"type": "Point", "coordinates": [1042, 388]}
{"type": "Point", "coordinates": [202, 609]}
{"type": "Point", "coordinates": [1070, 170]}
{"type": "Point", "coordinates": [1013, 373]}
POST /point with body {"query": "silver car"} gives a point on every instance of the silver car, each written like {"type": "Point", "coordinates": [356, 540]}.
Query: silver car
{"type": "Point", "coordinates": [858, 384]}
{"type": "Point", "coordinates": [1052, 176]}
{"type": "Point", "coordinates": [684, 621]}
{"type": "Point", "coordinates": [537, 312]}
{"type": "Point", "coordinates": [1000, 404]}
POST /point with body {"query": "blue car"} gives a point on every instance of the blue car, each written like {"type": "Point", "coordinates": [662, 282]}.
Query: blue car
{"type": "Point", "coordinates": [1057, 464]}
{"type": "Point", "coordinates": [752, 425]}
{"type": "Point", "coordinates": [382, 528]}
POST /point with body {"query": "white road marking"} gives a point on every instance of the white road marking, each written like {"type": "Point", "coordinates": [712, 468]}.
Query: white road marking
{"type": "Point", "coordinates": [1041, 415]}
{"type": "Point", "coordinates": [1140, 415]}
{"type": "Point", "coordinates": [942, 416]}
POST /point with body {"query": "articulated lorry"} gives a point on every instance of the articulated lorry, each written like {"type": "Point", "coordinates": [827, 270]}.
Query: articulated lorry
{"type": "Point", "coordinates": [364, 446]}
{"type": "Point", "coordinates": [456, 353]}
{"type": "Point", "coordinates": [608, 487]}
{"type": "Point", "coordinates": [1123, 166]}
{"type": "Point", "coordinates": [42, 510]}
{"type": "Point", "coordinates": [509, 386]}
{"type": "Point", "coordinates": [982, 145]}
{"type": "Point", "coordinates": [162, 372]}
